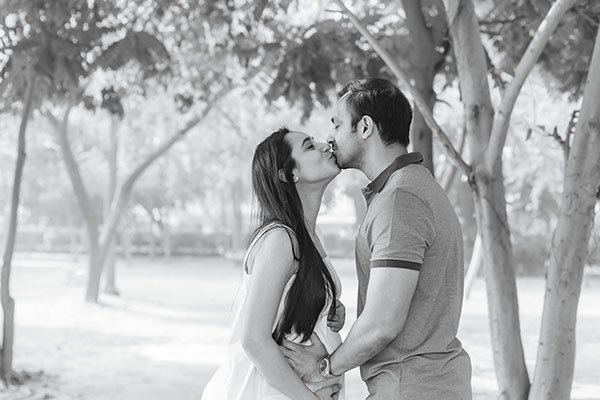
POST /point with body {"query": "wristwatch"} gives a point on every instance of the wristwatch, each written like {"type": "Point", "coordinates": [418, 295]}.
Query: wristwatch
{"type": "Point", "coordinates": [325, 368]}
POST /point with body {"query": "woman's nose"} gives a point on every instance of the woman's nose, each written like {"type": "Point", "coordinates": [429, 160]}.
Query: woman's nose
{"type": "Point", "coordinates": [324, 147]}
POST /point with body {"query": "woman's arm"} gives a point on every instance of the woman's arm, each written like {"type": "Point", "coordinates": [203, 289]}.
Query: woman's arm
{"type": "Point", "coordinates": [272, 267]}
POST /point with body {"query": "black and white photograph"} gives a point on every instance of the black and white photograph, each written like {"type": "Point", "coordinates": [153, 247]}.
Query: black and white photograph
{"type": "Point", "coordinates": [299, 200]}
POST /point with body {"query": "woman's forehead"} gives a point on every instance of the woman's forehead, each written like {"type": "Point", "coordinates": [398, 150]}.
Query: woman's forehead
{"type": "Point", "coordinates": [296, 138]}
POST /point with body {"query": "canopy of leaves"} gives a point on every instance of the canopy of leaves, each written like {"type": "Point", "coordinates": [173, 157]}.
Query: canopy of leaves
{"type": "Point", "coordinates": [64, 42]}
{"type": "Point", "coordinates": [511, 25]}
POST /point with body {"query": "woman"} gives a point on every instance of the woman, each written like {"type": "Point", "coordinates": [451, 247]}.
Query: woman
{"type": "Point", "coordinates": [289, 286]}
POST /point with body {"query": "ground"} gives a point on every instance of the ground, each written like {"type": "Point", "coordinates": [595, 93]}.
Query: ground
{"type": "Point", "coordinates": [164, 337]}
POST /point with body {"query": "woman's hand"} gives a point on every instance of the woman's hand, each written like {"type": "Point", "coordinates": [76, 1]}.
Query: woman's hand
{"type": "Point", "coordinates": [329, 392]}
{"type": "Point", "coordinates": [336, 321]}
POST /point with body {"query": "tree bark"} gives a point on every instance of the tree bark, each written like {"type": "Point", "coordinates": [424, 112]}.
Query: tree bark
{"type": "Point", "coordinates": [110, 284]}
{"type": "Point", "coordinates": [8, 304]}
{"type": "Point", "coordinates": [425, 60]}
{"type": "Point", "coordinates": [166, 240]}
{"type": "Point", "coordinates": [556, 351]}
{"type": "Point", "coordinates": [474, 266]}
{"type": "Point", "coordinates": [490, 203]}
{"type": "Point", "coordinates": [499, 270]}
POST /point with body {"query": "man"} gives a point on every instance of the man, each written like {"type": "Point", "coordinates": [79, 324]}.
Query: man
{"type": "Point", "coordinates": [409, 260]}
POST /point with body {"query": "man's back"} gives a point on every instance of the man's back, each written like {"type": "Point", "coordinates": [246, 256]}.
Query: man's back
{"type": "Point", "coordinates": [411, 217]}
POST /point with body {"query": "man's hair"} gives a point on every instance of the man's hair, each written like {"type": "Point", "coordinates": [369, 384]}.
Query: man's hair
{"type": "Point", "coordinates": [384, 103]}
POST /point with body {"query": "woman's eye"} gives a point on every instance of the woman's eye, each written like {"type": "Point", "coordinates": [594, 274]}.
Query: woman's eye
{"type": "Point", "coordinates": [335, 127]}
{"type": "Point", "coordinates": [310, 146]}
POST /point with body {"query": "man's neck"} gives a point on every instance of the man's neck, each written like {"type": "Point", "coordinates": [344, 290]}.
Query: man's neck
{"type": "Point", "coordinates": [378, 157]}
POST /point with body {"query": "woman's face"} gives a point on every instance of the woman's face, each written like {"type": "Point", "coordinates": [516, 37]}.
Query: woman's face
{"type": "Point", "coordinates": [315, 162]}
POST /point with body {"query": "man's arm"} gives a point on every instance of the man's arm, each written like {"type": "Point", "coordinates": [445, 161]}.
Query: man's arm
{"type": "Point", "coordinates": [389, 294]}
{"type": "Point", "coordinates": [398, 237]}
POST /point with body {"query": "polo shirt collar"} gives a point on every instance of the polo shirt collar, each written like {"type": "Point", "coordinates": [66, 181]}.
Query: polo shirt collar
{"type": "Point", "coordinates": [378, 183]}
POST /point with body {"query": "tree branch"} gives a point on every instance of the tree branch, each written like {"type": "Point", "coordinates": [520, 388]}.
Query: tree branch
{"type": "Point", "coordinates": [236, 127]}
{"type": "Point", "coordinates": [537, 44]}
{"type": "Point", "coordinates": [416, 23]}
{"type": "Point", "coordinates": [420, 102]}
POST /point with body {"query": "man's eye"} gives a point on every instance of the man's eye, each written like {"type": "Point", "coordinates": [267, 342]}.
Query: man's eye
{"type": "Point", "coordinates": [335, 127]}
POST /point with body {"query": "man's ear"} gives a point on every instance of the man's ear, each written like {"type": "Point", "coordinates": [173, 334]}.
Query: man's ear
{"type": "Point", "coordinates": [365, 126]}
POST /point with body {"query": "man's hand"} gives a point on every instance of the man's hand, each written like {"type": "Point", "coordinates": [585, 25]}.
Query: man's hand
{"type": "Point", "coordinates": [329, 392]}
{"type": "Point", "coordinates": [304, 360]}
{"type": "Point", "coordinates": [336, 320]}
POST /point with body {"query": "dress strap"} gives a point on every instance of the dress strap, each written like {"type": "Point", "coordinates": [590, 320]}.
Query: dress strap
{"type": "Point", "coordinates": [259, 235]}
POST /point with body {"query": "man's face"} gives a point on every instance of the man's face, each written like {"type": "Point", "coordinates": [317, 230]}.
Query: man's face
{"type": "Point", "coordinates": [347, 145]}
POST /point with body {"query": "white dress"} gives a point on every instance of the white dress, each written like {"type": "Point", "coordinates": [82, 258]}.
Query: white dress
{"type": "Point", "coordinates": [237, 378]}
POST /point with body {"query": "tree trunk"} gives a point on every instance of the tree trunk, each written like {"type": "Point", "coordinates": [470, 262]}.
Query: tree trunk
{"type": "Point", "coordinates": [113, 153]}
{"type": "Point", "coordinates": [83, 199]}
{"type": "Point", "coordinates": [474, 266]}
{"type": "Point", "coordinates": [422, 138]}
{"type": "Point", "coordinates": [425, 60]}
{"type": "Point", "coordinates": [166, 239]}
{"type": "Point", "coordinates": [490, 203]}
{"type": "Point", "coordinates": [110, 284]}
{"type": "Point", "coordinates": [8, 304]}
{"type": "Point", "coordinates": [556, 352]}
{"type": "Point", "coordinates": [503, 307]}
{"type": "Point", "coordinates": [94, 272]}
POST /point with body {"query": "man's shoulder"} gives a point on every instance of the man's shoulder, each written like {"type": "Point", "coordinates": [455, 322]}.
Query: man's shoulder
{"type": "Point", "coordinates": [413, 180]}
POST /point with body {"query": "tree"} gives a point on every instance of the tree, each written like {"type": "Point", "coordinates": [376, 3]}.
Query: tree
{"type": "Point", "coordinates": [197, 77]}
{"type": "Point", "coordinates": [29, 55]}
{"type": "Point", "coordinates": [312, 59]}
{"type": "Point", "coordinates": [553, 376]}
{"type": "Point", "coordinates": [488, 132]}
{"type": "Point", "coordinates": [8, 304]}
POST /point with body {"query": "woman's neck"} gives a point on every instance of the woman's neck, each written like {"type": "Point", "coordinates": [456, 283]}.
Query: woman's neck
{"type": "Point", "coordinates": [311, 198]}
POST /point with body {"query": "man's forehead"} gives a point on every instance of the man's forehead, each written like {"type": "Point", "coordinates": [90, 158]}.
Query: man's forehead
{"type": "Point", "coordinates": [340, 109]}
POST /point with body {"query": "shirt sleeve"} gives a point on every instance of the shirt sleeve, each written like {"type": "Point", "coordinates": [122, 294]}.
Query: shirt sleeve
{"type": "Point", "coordinates": [401, 231]}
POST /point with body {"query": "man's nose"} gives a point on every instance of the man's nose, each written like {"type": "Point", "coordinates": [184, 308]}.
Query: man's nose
{"type": "Point", "coordinates": [330, 138]}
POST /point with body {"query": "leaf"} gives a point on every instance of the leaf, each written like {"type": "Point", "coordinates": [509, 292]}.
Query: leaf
{"type": "Point", "coordinates": [142, 47]}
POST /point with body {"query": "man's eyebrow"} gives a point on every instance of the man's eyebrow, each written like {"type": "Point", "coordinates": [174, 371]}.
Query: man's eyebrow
{"type": "Point", "coordinates": [333, 119]}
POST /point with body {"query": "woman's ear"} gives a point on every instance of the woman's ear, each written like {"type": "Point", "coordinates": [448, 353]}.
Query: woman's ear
{"type": "Point", "coordinates": [282, 177]}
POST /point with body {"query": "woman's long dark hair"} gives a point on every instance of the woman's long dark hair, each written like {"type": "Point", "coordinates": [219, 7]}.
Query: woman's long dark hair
{"type": "Point", "coordinates": [278, 201]}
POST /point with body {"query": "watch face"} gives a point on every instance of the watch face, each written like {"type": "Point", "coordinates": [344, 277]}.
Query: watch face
{"type": "Point", "coordinates": [324, 366]}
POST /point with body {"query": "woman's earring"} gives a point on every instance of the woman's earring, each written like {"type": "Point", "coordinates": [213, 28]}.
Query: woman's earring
{"type": "Point", "coordinates": [296, 179]}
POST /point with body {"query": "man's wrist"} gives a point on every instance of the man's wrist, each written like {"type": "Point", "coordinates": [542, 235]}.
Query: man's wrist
{"type": "Point", "coordinates": [325, 368]}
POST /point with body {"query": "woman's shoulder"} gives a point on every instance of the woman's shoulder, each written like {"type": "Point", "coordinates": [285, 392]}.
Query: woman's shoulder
{"type": "Point", "coordinates": [277, 242]}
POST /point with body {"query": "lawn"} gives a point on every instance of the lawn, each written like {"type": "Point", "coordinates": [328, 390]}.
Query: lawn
{"type": "Point", "coordinates": [164, 337]}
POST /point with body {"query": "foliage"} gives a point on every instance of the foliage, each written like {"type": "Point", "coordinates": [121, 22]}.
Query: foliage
{"type": "Point", "coordinates": [511, 25]}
